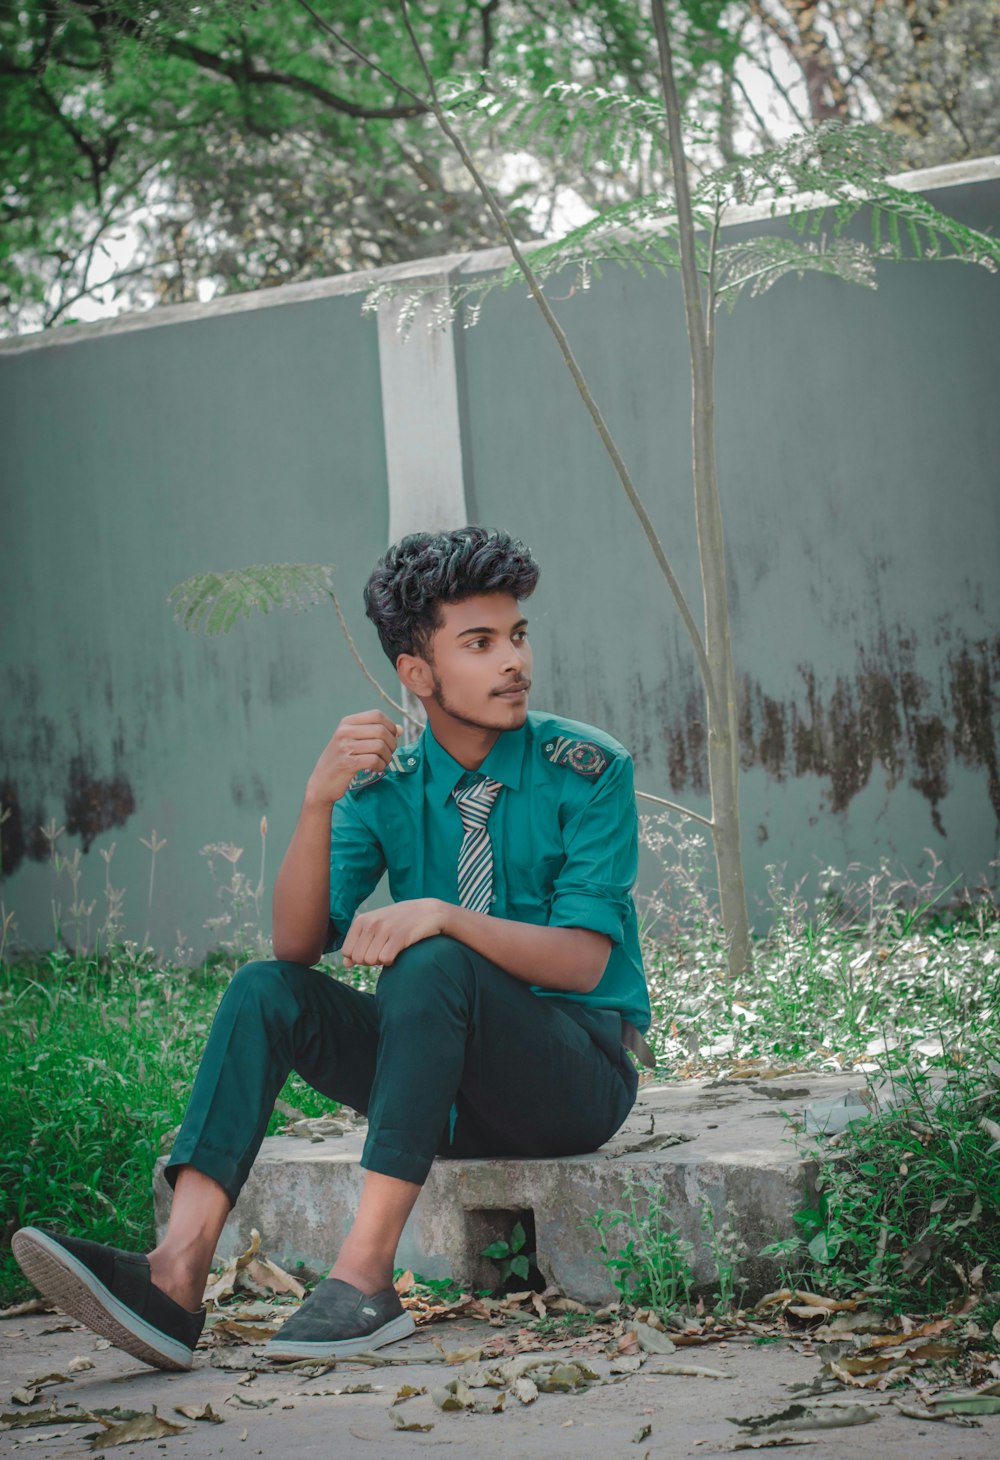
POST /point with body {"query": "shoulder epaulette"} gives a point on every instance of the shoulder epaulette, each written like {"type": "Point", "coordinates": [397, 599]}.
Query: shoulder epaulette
{"type": "Point", "coordinates": [583, 756]}
{"type": "Point", "coordinates": [403, 763]}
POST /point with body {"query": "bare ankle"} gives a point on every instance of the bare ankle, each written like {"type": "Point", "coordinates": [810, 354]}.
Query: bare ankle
{"type": "Point", "coordinates": [177, 1280]}
{"type": "Point", "coordinates": [370, 1277]}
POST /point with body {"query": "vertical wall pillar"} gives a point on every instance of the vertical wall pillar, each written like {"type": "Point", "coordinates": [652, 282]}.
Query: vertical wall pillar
{"type": "Point", "coordinates": [420, 415]}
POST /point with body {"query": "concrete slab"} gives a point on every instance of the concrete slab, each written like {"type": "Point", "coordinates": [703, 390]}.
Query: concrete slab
{"type": "Point", "coordinates": [727, 1140]}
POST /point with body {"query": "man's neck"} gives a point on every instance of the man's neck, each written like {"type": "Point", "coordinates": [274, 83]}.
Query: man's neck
{"type": "Point", "coordinates": [468, 744]}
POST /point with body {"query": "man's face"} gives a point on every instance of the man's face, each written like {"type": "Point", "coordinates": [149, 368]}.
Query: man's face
{"type": "Point", "coordinates": [480, 669]}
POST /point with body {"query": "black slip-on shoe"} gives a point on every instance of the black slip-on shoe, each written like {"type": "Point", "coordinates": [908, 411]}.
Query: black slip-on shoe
{"type": "Point", "coordinates": [111, 1292]}
{"type": "Point", "coordinates": [338, 1319]}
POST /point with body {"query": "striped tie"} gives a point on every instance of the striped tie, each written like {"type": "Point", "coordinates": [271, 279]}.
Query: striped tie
{"type": "Point", "coordinates": [475, 859]}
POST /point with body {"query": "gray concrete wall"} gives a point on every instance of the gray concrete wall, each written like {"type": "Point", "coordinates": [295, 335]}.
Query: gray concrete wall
{"type": "Point", "coordinates": [858, 440]}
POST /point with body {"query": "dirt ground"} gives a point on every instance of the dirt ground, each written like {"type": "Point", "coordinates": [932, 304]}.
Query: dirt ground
{"type": "Point", "coordinates": [294, 1415]}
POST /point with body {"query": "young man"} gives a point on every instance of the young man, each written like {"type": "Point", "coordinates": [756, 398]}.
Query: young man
{"type": "Point", "coordinates": [510, 952]}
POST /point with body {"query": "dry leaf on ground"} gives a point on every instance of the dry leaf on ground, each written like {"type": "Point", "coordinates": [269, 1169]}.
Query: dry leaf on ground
{"type": "Point", "coordinates": [693, 1371]}
{"type": "Point", "coordinates": [400, 1423]}
{"type": "Point", "coordinates": [144, 1427]}
{"type": "Point", "coordinates": [804, 1417]}
{"type": "Point", "coordinates": [200, 1411]}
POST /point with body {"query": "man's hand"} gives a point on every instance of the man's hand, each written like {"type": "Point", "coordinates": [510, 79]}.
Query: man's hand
{"type": "Point", "coordinates": [364, 742]}
{"type": "Point", "coordinates": [380, 937]}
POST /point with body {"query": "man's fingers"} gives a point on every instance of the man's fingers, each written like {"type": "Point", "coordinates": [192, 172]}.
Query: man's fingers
{"type": "Point", "coordinates": [356, 749]}
{"type": "Point", "coordinates": [372, 717]}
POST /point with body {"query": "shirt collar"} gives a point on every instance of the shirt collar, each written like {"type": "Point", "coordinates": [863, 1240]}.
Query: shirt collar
{"type": "Point", "coordinates": [503, 763]}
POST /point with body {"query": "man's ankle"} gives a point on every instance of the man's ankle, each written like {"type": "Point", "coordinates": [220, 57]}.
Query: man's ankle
{"type": "Point", "coordinates": [369, 1277]}
{"type": "Point", "coordinates": [181, 1284]}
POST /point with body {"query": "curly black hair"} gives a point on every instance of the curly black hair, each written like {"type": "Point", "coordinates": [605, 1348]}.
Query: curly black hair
{"type": "Point", "coordinates": [426, 569]}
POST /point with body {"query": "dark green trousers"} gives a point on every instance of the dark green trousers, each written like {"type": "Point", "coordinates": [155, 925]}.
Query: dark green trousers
{"type": "Point", "coordinates": [451, 1056]}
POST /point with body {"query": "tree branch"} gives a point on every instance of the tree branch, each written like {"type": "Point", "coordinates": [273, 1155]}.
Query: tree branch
{"type": "Point", "coordinates": [500, 218]}
{"type": "Point", "coordinates": [673, 806]}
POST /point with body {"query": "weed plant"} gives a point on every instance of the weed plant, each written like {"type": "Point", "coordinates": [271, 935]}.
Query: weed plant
{"type": "Point", "coordinates": [651, 1268]}
{"type": "Point", "coordinates": [907, 1205]}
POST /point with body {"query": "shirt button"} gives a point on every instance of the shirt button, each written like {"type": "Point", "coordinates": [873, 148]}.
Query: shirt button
{"type": "Point", "coordinates": [412, 760]}
{"type": "Point", "coordinates": [548, 747]}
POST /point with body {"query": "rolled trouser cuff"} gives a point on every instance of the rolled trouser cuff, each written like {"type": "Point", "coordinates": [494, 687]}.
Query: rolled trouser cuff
{"type": "Point", "coordinates": [219, 1165]}
{"type": "Point", "coordinates": [391, 1161]}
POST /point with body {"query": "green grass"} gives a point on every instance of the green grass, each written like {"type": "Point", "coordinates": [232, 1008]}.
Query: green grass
{"type": "Point", "coordinates": [96, 1063]}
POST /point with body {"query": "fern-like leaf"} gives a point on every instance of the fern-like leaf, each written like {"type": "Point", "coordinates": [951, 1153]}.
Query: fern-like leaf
{"type": "Point", "coordinates": [608, 126]}
{"type": "Point", "coordinates": [761, 262]}
{"type": "Point", "coordinates": [214, 601]}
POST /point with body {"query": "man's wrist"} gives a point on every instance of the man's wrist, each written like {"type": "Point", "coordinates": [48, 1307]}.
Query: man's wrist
{"type": "Point", "coordinates": [446, 911]}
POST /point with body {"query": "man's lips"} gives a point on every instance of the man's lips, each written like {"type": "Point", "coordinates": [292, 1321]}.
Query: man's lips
{"type": "Point", "coordinates": [513, 690]}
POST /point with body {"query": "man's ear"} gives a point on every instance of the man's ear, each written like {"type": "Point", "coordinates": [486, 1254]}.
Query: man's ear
{"type": "Point", "coordinates": [415, 675]}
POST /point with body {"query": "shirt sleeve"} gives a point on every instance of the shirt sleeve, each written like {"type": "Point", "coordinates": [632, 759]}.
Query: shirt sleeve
{"type": "Point", "coordinates": [594, 886]}
{"type": "Point", "coordinates": [356, 864]}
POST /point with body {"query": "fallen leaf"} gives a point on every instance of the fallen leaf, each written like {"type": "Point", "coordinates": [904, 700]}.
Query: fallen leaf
{"type": "Point", "coordinates": [272, 1278]}
{"type": "Point", "coordinates": [693, 1371]}
{"type": "Point", "coordinates": [564, 1378]}
{"type": "Point", "coordinates": [642, 1434]}
{"type": "Point", "coordinates": [627, 1364]}
{"type": "Point", "coordinates": [18, 1419]}
{"type": "Point", "coordinates": [408, 1391]}
{"type": "Point", "coordinates": [974, 1402]}
{"type": "Point", "coordinates": [773, 1442]}
{"type": "Point", "coordinates": [525, 1390]}
{"type": "Point", "coordinates": [245, 1332]}
{"type": "Point", "coordinates": [867, 1378]}
{"type": "Point", "coordinates": [399, 1423]}
{"type": "Point", "coordinates": [404, 1282]}
{"type": "Point", "coordinates": [200, 1411]}
{"type": "Point", "coordinates": [802, 1417]}
{"type": "Point", "coordinates": [43, 1379]}
{"type": "Point", "coordinates": [832, 1305]}
{"type": "Point", "coordinates": [459, 1355]}
{"type": "Point", "coordinates": [247, 1401]}
{"type": "Point", "coordinates": [925, 1330]}
{"type": "Point", "coordinates": [21, 1310]}
{"type": "Point", "coordinates": [652, 1341]}
{"type": "Point", "coordinates": [146, 1427]}
{"type": "Point", "coordinates": [568, 1305]}
{"type": "Point", "coordinates": [27, 1395]}
{"type": "Point", "coordinates": [79, 1364]}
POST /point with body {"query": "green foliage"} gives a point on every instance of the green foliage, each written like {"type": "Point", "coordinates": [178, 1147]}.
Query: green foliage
{"type": "Point", "coordinates": [214, 601]}
{"type": "Point", "coordinates": [510, 1256]}
{"type": "Point", "coordinates": [651, 1269]}
{"type": "Point", "coordinates": [729, 1252]}
{"type": "Point", "coordinates": [97, 1058]}
{"type": "Point", "coordinates": [908, 1202]}
{"type": "Point", "coordinates": [828, 186]}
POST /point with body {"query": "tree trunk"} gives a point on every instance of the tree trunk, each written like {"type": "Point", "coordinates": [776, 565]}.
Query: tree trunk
{"type": "Point", "coordinates": [723, 725]}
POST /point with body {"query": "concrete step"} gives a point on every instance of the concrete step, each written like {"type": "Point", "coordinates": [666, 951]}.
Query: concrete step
{"type": "Point", "coordinates": [729, 1140]}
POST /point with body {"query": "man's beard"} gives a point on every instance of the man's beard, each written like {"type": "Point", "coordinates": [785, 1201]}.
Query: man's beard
{"type": "Point", "coordinates": [440, 699]}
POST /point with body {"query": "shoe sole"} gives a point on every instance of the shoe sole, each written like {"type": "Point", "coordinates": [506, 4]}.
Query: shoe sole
{"type": "Point", "coordinates": [339, 1348]}
{"type": "Point", "coordinates": [64, 1280]}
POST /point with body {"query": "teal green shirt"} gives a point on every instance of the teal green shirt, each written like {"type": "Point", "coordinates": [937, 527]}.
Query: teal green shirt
{"type": "Point", "coordinates": [563, 830]}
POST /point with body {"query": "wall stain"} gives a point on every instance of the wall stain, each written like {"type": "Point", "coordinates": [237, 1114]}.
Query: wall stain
{"type": "Point", "coordinates": [94, 805]}
{"type": "Point", "coordinates": [21, 834]}
{"type": "Point", "coordinates": [886, 714]}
